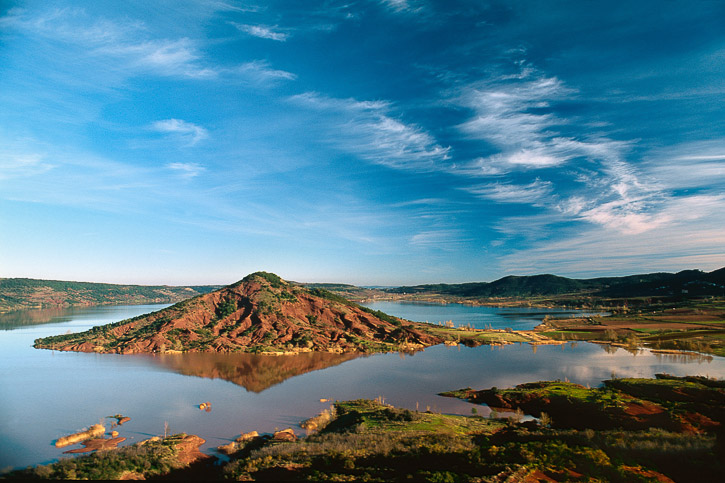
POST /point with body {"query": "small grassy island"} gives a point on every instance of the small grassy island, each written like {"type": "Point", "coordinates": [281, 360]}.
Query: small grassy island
{"type": "Point", "coordinates": [642, 430]}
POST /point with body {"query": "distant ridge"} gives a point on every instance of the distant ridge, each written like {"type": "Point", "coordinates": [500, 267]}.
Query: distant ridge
{"type": "Point", "coordinates": [261, 313]}
{"type": "Point", "coordinates": [26, 293]}
{"type": "Point", "coordinates": [29, 293]}
{"type": "Point", "coordinates": [691, 282]}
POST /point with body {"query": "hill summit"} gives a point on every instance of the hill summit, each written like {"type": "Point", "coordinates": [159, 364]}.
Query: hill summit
{"type": "Point", "coordinates": [260, 313]}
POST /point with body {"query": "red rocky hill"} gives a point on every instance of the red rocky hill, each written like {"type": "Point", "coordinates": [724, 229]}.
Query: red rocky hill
{"type": "Point", "coordinates": [261, 313]}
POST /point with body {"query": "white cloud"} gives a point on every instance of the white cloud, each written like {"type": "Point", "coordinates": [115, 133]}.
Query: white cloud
{"type": "Point", "coordinates": [123, 48]}
{"type": "Point", "coordinates": [20, 165]}
{"type": "Point", "coordinates": [186, 170]}
{"type": "Point", "coordinates": [188, 132]}
{"type": "Point", "coordinates": [532, 193]}
{"type": "Point", "coordinates": [692, 165]}
{"type": "Point", "coordinates": [178, 57]}
{"type": "Point", "coordinates": [527, 157]}
{"type": "Point", "coordinates": [503, 112]}
{"type": "Point", "coordinates": [600, 252]}
{"type": "Point", "coordinates": [619, 198]}
{"type": "Point", "coordinates": [403, 5]}
{"type": "Point", "coordinates": [683, 233]}
{"type": "Point", "coordinates": [260, 73]}
{"type": "Point", "coordinates": [443, 239]}
{"type": "Point", "coordinates": [623, 217]}
{"type": "Point", "coordinates": [262, 31]}
{"type": "Point", "coordinates": [515, 115]}
{"type": "Point", "coordinates": [77, 179]}
{"type": "Point", "coordinates": [367, 129]}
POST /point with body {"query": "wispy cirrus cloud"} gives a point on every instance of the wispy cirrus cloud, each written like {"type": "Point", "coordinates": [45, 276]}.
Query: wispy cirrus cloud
{"type": "Point", "coordinates": [167, 57]}
{"type": "Point", "coordinates": [440, 239]}
{"type": "Point", "coordinates": [22, 164]}
{"type": "Point", "coordinates": [368, 130]}
{"type": "Point", "coordinates": [399, 6]}
{"type": "Point", "coordinates": [123, 47]}
{"type": "Point", "coordinates": [263, 31]}
{"type": "Point", "coordinates": [594, 182]}
{"type": "Point", "coordinates": [667, 246]}
{"type": "Point", "coordinates": [699, 165]}
{"type": "Point", "coordinates": [58, 175]}
{"type": "Point", "coordinates": [619, 197]}
{"type": "Point", "coordinates": [533, 193]}
{"type": "Point", "coordinates": [262, 74]}
{"type": "Point", "coordinates": [503, 111]}
{"type": "Point", "coordinates": [185, 131]}
{"type": "Point", "coordinates": [126, 42]}
{"type": "Point", "coordinates": [186, 170]}
{"type": "Point", "coordinates": [516, 116]}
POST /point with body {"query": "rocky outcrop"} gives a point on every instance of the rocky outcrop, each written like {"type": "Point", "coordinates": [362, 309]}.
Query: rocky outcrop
{"type": "Point", "coordinates": [261, 313]}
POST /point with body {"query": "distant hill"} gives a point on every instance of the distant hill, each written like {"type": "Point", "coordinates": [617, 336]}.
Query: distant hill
{"type": "Point", "coordinates": [689, 282]}
{"type": "Point", "coordinates": [261, 313]}
{"type": "Point", "coordinates": [350, 292]}
{"type": "Point", "coordinates": [28, 293]}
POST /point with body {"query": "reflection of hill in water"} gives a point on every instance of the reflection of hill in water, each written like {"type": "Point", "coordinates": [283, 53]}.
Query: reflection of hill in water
{"type": "Point", "coordinates": [21, 318]}
{"type": "Point", "coordinates": [252, 371]}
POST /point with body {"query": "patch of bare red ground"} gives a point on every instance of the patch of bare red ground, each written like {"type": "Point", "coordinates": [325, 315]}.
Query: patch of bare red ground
{"type": "Point", "coordinates": [636, 470]}
{"type": "Point", "coordinates": [698, 423]}
{"type": "Point", "coordinates": [189, 452]}
{"type": "Point", "coordinates": [654, 415]}
{"type": "Point", "coordinates": [538, 476]}
{"type": "Point", "coordinates": [97, 444]}
{"type": "Point", "coordinates": [643, 408]}
{"type": "Point", "coordinates": [130, 475]}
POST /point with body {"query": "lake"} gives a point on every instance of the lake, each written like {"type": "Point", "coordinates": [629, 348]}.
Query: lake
{"type": "Point", "coordinates": [48, 394]}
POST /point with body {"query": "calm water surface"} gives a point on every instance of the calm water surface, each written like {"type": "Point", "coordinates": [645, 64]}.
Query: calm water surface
{"type": "Point", "coordinates": [47, 394]}
{"type": "Point", "coordinates": [517, 318]}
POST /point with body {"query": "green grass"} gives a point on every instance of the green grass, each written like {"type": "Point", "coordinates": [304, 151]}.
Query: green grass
{"type": "Point", "coordinates": [463, 335]}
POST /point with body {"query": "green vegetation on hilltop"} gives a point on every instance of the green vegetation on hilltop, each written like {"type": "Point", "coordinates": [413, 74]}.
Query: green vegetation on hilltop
{"type": "Point", "coordinates": [274, 280]}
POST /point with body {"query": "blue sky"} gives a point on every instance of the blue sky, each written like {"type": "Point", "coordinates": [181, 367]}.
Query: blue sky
{"type": "Point", "coordinates": [371, 142]}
